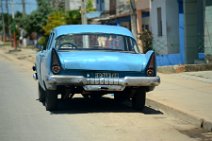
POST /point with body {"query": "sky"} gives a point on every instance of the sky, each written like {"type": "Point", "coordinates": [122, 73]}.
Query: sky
{"type": "Point", "coordinates": [31, 5]}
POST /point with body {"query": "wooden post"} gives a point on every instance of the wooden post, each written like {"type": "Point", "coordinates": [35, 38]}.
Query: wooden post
{"type": "Point", "coordinates": [14, 40]}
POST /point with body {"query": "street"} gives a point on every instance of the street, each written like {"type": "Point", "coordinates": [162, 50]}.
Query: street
{"type": "Point", "coordinates": [24, 118]}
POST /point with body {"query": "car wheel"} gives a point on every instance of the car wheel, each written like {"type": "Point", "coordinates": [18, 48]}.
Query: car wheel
{"type": "Point", "coordinates": [51, 100]}
{"type": "Point", "coordinates": [138, 99]}
{"type": "Point", "coordinates": [41, 93]}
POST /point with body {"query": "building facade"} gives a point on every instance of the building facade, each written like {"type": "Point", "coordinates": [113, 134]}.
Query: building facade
{"type": "Point", "coordinates": [72, 5]}
{"type": "Point", "coordinates": [181, 29]}
{"type": "Point", "coordinates": [117, 12]}
{"type": "Point", "coordinates": [208, 31]}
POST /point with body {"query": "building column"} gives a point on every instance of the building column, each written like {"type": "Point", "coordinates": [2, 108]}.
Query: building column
{"type": "Point", "coordinates": [191, 33]}
{"type": "Point", "coordinates": [139, 21]}
{"type": "Point", "coordinates": [208, 30]}
{"type": "Point", "coordinates": [181, 31]}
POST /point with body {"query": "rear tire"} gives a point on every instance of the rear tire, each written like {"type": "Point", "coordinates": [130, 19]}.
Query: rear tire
{"type": "Point", "coordinates": [51, 100]}
{"type": "Point", "coordinates": [41, 93]}
{"type": "Point", "coordinates": [138, 99]}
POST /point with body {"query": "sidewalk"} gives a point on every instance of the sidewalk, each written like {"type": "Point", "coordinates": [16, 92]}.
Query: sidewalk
{"type": "Point", "coordinates": [186, 95]}
{"type": "Point", "coordinates": [26, 54]}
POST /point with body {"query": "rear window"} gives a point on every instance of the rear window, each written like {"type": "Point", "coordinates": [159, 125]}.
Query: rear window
{"type": "Point", "coordinates": [96, 42]}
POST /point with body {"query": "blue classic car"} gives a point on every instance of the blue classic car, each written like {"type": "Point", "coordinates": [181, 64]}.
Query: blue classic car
{"type": "Point", "coordinates": [93, 60]}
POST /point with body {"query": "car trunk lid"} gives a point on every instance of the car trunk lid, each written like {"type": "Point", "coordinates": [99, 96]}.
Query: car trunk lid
{"type": "Point", "coordinates": [102, 60]}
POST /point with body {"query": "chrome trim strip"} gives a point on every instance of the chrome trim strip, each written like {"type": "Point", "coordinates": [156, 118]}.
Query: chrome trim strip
{"type": "Point", "coordinates": [103, 87]}
{"type": "Point", "coordinates": [81, 81]}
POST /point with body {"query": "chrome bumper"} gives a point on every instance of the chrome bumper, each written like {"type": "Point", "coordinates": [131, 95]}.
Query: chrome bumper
{"type": "Point", "coordinates": [55, 80]}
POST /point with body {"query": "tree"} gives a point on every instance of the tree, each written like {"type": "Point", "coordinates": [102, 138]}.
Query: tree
{"type": "Point", "coordinates": [37, 19]}
{"type": "Point", "coordinates": [89, 6]}
{"type": "Point", "coordinates": [146, 39]}
{"type": "Point", "coordinates": [7, 19]}
{"type": "Point", "coordinates": [54, 19]}
{"type": "Point", "coordinates": [73, 17]}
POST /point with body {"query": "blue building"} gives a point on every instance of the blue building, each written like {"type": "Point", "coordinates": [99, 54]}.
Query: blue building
{"type": "Point", "coordinates": [181, 30]}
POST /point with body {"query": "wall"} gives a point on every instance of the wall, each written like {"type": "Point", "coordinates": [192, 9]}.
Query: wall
{"type": "Point", "coordinates": [107, 5]}
{"type": "Point", "coordinates": [72, 4]}
{"type": "Point", "coordinates": [159, 42]}
{"type": "Point", "coordinates": [208, 27]}
{"type": "Point", "coordinates": [122, 7]}
{"type": "Point", "coordinates": [166, 46]}
{"type": "Point", "coordinates": [101, 5]}
{"type": "Point", "coordinates": [172, 15]}
{"type": "Point", "coordinates": [191, 43]}
{"type": "Point", "coordinates": [142, 4]}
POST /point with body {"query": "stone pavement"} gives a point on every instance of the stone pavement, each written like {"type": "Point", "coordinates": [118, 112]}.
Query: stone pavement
{"type": "Point", "coordinates": [187, 95]}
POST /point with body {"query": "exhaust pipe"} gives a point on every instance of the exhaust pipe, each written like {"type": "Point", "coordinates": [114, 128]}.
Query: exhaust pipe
{"type": "Point", "coordinates": [35, 76]}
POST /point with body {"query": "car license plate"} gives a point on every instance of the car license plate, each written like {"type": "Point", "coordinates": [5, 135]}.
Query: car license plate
{"type": "Point", "coordinates": [106, 75]}
{"type": "Point", "coordinates": [106, 78]}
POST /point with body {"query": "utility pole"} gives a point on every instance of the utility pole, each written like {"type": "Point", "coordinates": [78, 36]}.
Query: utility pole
{"type": "Point", "coordinates": [13, 25]}
{"type": "Point", "coordinates": [133, 17]}
{"type": "Point", "coordinates": [84, 21]}
{"type": "Point", "coordinates": [23, 7]}
{"type": "Point", "coordinates": [83, 12]}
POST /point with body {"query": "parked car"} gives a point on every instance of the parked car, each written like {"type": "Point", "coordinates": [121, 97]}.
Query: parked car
{"type": "Point", "coordinates": [94, 60]}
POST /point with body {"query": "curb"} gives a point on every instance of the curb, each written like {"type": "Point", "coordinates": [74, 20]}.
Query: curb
{"type": "Point", "coordinates": [197, 121]}
{"type": "Point", "coordinates": [184, 68]}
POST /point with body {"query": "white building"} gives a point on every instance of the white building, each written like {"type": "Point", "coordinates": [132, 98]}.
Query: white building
{"type": "Point", "coordinates": [72, 5]}
{"type": "Point", "coordinates": [165, 26]}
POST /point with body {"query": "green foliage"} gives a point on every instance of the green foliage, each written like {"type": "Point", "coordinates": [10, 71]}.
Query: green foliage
{"type": "Point", "coordinates": [42, 40]}
{"type": "Point", "coordinates": [44, 19]}
{"type": "Point", "coordinates": [7, 22]}
{"type": "Point", "coordinates": [89, 6]}
{"type": "Point", "coordinates": [73, 17]}
{"type": "Point", "coordinates": [146, 39]}
{"type": "Point", "coordinates": [54, 19]}
{"type": "Point", "coordinates": [22, 21]}
{"type": "Point", "coordinates": [37, 19]}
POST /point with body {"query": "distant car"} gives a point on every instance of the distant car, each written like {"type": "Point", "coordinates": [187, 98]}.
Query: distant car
{"type": "Point", "coordinates": [94, 60]}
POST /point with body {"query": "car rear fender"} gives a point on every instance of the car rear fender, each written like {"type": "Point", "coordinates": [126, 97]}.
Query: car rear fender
{"type": "Point", "coordinates": [151, 67]}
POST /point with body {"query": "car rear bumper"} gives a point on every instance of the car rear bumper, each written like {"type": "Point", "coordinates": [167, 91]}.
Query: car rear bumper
{"type": "Point", "coordinates": [92, 83]}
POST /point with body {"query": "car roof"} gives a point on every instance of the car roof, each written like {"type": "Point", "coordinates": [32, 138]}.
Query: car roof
{"type": "Point", "coordinates": [79, 29]}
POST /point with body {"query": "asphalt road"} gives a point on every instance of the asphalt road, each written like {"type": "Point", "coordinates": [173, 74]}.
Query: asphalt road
{"type": "Point", "coordinates": [24, 118]}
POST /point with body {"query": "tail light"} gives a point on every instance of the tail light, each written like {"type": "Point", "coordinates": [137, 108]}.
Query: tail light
{"type": "Point", "coordinates": [55, 64]}
{"type": "Point", "coordinates": [151, 70]}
